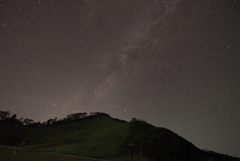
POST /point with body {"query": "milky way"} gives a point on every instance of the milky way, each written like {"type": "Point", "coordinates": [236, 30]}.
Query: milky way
{"type": "Point", "coordinates": [174, 64]}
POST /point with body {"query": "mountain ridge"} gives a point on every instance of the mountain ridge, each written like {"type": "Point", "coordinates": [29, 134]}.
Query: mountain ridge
{"type": "Point", "coordinates": [101, 136]}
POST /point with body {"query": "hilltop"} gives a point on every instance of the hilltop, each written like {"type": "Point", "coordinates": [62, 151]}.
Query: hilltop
{"type": "Point", "coordinates": [103, 137]}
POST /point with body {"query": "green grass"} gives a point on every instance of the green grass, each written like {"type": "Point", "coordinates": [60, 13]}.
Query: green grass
{"type": "Point", "coordinates": [99, 137]}
{"type": "Point", "coordinates": [7, 154]}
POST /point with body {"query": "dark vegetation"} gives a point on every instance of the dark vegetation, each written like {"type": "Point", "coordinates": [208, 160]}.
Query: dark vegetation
{"type": "Point", "coordinates": [99, 136]}
{"type": "Point", "coordinates": [6, 118]}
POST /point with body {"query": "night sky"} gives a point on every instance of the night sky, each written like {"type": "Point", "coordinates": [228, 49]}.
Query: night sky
{"type": "Point", "coordinates": [172, 63]}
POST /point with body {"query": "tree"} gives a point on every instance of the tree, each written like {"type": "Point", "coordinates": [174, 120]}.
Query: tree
{"type": "Point", "coordinates": [76, 116]}
{"type": "Point", "coordinates": [4, 115]}
{"type": "Point", "coordinates": [95, 113]}
{"type": "Point", "coordinates": [28, 122]}
{"type": "Point", "coordinates": [138, 133]}
{"type": "Point", "coordinates": [51, 121]}
{"type": "Point", "coordinates": [12, 120]}
{"type": "Point", "coordinates": [21, 120]}
{"type": "Point", "coordinates": [84, 114]}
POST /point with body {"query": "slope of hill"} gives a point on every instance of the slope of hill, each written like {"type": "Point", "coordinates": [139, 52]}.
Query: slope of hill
{"type": "Point", "coordinates": [18, 154]}
{"type": "Point", "coordinates": [107, 138]}
{"type": "Point", "coordinates": [97, 137]}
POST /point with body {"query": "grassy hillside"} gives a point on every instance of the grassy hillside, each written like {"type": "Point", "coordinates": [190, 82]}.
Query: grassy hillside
{"type": "Point", "coordinates": [16, 154]}
{"type": "Point", "coordinates": [102, 137]}
{"type": "Point", "coordinates": [98, 137]}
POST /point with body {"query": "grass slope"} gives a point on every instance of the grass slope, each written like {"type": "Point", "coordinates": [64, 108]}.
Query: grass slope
{"type": "Point", "coordinates": [100, 137]}
{"type": "Point", "coordinates": [97, 137]}
{"type": "Point", "coordinates": [7, 154]}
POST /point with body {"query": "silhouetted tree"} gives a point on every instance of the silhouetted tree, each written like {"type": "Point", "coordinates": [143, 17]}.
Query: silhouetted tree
{"type": "Point", "coordinates": [20, 121]}
{"type": "Point", "coordinates": [51, 121]}
{"type": "Point", "coordinates": [11, 121]}
{"type": "Point", "coordinates": [95, 113]}
{"type": "Point", "coordinates": [75, 116]}
{"type": "Point", "coordinates": [28, 122]}
{"type": "Point", "coordinates": [4, 115]}
{"type": "Point", "coordinates": [84, 114]}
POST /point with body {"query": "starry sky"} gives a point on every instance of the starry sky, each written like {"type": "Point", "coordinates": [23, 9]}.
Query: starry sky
{"type": "Point", "coordinates": [172, 63]}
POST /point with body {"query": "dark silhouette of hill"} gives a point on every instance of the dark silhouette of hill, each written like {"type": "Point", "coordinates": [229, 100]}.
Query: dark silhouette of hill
{"type": "Point", "coordinates": [101, 136]}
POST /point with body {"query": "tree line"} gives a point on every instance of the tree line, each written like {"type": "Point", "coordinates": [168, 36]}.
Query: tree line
{"type": "Point", "coordinates": [7, 118]}
{"type": "Point", "coordinates": [159, 144]}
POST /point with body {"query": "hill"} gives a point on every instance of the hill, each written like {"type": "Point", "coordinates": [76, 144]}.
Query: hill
{"type": "Point", "coordinates": [106, 138]}
{"type": "Point", "coordinates": [96, 137]}
{"type": "Point", "coordinates": [14, 153]}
